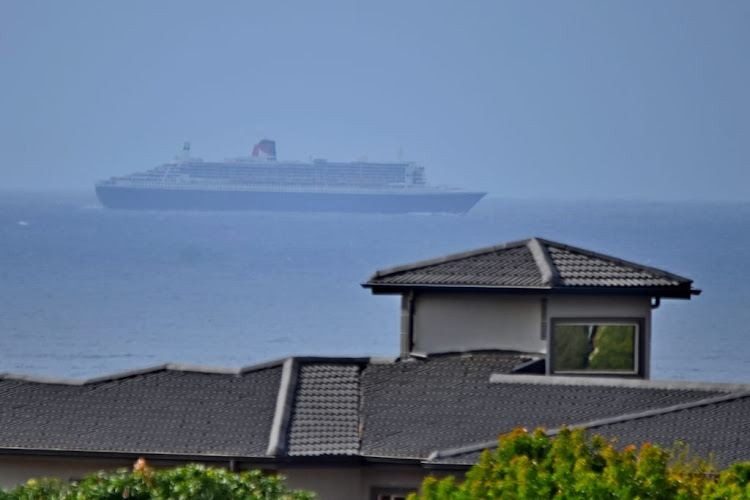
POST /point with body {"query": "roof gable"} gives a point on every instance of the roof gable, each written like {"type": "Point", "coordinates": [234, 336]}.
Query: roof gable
{"type": "Point", "coordinates": [534, 263]}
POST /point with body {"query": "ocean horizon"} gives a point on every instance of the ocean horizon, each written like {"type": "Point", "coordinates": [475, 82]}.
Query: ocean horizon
{"type": "Point", "coordinates": [87, 291]}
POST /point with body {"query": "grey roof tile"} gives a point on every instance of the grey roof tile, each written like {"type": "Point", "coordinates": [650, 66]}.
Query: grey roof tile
{"type": "Point", "coordinates": [160, 412]}
{"type": "Point", "coordinates": [585, 269]}
{"type": "Point", "coordinates": [413, 409]}
{"type": "Point", "coordinates": [325, 414]}
{"type": "Point", "coordinates": [513, 266]}
{"type": "Point", "coordinates": [720, 430]}
{"type": "Point", "coordinates": [531, 263]}
{"type": "Point", "coordinates": [401, 409]}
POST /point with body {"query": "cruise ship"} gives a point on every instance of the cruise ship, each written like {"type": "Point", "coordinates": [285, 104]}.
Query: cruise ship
{"type": "Point", "coordinates": [261, 182]}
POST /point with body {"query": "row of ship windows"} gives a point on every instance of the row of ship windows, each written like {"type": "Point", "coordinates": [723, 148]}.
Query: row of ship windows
{"type": "Point", "coordinates": [256, 177]}
{"type": "Point", "coordinates": [269, 180]}
{"type": "Point", "coordinates": [291, 168]}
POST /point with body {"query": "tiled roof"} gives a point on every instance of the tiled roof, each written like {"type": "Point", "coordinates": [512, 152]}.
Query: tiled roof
{"type": "Point", "coordinates": [576, 268]}
{"type": "Point", "coordinates": [634, 411]}
{"type": "Point", "coordinates": [162, 411]}
{"type": "Point", "coordinates": [325, 411]}
{"type": "Point", "coordinates": [513, 266]}
{"type": "Point", "coordinates": [455, 405]}
{"type": "Point", "coordinates": [416, 408]}
{"type": "Point", "coordinates": [534, 263]}
{"type": "Point", "coordinates": [720, 430]}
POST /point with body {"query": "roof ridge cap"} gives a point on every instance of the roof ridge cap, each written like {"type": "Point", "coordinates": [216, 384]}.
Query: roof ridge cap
{"type": "Point", "coordinates": [179, 367]}
{"type": "Point", "coordinates": [126, 374]}
{"type": "Point", "coordinates": [188, 368]}
{"type": "Point", "coordinates": [261, 366]}
{"type": "Point", "coordinates": [545, 264]}
{"type": "Point", "coordinates": [342, 360]}
{"type": "Point", "coordinates": [479, 446]}
{"type": "Point", "coordinates": [445, 258]}
{"type": "Point", "coordinates": [655, 412]}
{"type": "Point", "coordinates": [83, 381]}
{"type": "Point", "coordinates": [42, 380]}
{"type": "Point", "coordinates": [633, 383]}
{"type": "Point", "coordinates": [282, 416]}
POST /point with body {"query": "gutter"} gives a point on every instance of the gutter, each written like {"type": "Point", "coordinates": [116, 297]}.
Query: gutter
{"type": "Point", "coordinates": [664, 292]}
{"type": "Point", "coordinates": [231, 462]}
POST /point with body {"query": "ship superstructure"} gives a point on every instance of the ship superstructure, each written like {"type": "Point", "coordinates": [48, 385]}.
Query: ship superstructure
{"type": "Point", "coordinates": [261, 182]}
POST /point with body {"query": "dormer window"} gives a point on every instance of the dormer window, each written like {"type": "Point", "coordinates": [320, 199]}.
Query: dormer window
{"type": "Point", "coordinates": [586, 313]}
{"type": "Point", "coordinates": [596, 347]}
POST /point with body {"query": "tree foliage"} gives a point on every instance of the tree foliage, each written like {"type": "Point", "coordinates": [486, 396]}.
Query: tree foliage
{"type": "Point", "coordinates": [191, 482]}
{"type": "Point", "coordinates": [572, 467]}
{"type": "Point", "coordinates": [594, 347]}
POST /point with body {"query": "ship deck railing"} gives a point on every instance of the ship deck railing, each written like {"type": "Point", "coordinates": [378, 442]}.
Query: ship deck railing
{"type": "Point", "coordinates": [419, 188]}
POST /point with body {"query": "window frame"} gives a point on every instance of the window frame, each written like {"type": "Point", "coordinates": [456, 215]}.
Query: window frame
{"type": "Point", "coordinates": [639, 350]}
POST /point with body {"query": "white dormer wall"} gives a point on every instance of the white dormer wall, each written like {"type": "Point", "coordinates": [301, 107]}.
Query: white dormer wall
{"type": "Point", "coordinates": [441, 322]}
{"type": "Point", "coordinates": [458, 322]}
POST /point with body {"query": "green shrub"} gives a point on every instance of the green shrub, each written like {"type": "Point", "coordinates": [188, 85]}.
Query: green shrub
{"type": "Point", "coordinates": [570, 466]}
{"type": "Point", "coordinates": [192, 482]}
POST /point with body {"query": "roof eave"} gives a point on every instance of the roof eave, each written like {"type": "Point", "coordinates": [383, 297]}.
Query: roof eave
{"type": "Point", "coordinates": [680, 292]}
{"type": "Point", "coordinates": [123, 454]}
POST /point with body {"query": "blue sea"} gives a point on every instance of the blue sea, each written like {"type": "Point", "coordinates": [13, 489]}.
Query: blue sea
{"type": "Point", "coordinates": [86, 291]}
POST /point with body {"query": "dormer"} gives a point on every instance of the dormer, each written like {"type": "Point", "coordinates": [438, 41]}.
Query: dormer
{"type": "Point", "coordinates": [581, 312]}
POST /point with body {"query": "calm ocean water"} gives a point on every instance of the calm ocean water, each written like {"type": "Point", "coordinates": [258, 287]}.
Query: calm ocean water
{"type": "Point", "coordinates": [86, 291]}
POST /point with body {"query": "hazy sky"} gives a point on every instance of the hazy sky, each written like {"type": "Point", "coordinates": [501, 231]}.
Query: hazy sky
{"type": "Point", "coordinates": [577, 99]}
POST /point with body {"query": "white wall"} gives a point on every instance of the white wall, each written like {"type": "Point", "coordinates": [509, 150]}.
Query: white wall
{"type": "Point", "coordinates": [457, 322]}
{"type": "Point", "coordinates": [466, 322]}
{"type": "Point", "coordinates": [334, 482]}
{"type": "Point", "coordinates": [357, 483]}
{"type": "Point", "coordinates": [329, 483]}
{"type": "Point", "coordinates": [397, 477]}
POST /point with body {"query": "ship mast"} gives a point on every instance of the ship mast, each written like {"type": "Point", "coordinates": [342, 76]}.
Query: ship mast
{"type": "Point", "coordinates": [185, 155]}
{"type": "Point", "coordinates": [182, 157]}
